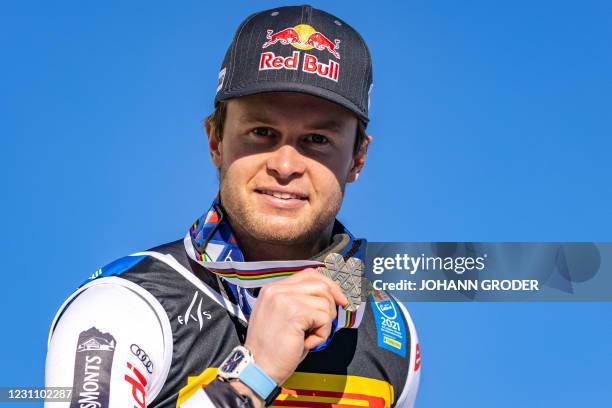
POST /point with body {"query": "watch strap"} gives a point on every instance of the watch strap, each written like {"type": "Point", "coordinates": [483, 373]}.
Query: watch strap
{"type": "Point", "coordinates": [260, 382]}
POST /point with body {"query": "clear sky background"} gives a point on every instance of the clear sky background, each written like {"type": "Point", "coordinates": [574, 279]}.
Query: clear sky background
{"type": "Point", "coordinates": [492, 122]}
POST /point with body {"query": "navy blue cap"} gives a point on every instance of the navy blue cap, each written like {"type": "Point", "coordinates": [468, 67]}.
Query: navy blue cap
{"type": "Point", "coordinates": [298, 49]}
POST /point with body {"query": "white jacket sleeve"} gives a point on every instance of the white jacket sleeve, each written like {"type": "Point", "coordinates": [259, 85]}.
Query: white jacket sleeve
{"type": "Point", "coordinates": [111, 342]}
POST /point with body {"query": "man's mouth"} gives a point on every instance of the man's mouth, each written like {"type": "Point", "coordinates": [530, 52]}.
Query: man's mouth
{"type": "Point", "coordinates": [282, 194]}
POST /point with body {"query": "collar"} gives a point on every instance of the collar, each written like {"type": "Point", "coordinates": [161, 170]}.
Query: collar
{"type": "Point", "coordinates": [211, 243]}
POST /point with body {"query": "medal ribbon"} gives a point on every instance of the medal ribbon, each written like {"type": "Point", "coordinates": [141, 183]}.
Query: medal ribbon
{"type": "Point", "coordinates": [211, 243]}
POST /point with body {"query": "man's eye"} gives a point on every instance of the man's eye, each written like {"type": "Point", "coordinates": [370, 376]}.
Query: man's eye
{"type": "Point", "coordinates": [263, 131]}
{"type": "Point", "coordinates": [318, 139]}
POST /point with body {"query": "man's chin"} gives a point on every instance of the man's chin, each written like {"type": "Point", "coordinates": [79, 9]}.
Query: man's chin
{"type": "Point", "coordinates": [281, 217]}
{"type": "Point", "coordinates": [280, 230]}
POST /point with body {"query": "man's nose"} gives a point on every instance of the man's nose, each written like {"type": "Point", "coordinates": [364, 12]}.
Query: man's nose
{"type": "Point", "coordinates": [286, 162]}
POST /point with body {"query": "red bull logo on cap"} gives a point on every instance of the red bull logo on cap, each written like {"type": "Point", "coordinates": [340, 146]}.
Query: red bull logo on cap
{"type": "Point", "coordinates": [303, 37]}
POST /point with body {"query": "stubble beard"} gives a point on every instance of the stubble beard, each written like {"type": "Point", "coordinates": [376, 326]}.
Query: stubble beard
{"type": "Point", "coordinates": [245, 220]}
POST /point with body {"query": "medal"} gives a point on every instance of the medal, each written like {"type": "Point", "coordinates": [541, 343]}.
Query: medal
{"type": "Point", "coordinates": [211, 243]}
{"type": "Point", "coordinates": [348, 275]}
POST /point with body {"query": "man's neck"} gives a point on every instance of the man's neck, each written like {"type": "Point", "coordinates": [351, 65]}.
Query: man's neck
{"type": "Point", "coordinates": [257, 250]}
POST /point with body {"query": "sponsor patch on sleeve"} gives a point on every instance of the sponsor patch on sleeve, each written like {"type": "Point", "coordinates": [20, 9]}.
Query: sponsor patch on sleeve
{"type": "Point", "coordinates": [92, 369]}
{"type": "Point", "coordinates": [390, 328]}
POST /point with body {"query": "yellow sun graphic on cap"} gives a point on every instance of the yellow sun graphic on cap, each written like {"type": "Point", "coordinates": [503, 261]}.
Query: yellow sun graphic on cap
{"type": "Point", "coordinates": [304, 31]}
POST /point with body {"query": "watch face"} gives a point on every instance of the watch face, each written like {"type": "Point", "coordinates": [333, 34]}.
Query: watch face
{"type": "Point", "coordinates": [232, 361]}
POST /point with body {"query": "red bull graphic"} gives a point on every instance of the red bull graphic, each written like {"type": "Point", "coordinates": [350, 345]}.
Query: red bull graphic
{"type": "Point", "coordinates": [285, 37]}
{"type": "Point", "coordinates": [321, 42]}
{"type": "Point", "coordinates": [309, 38]}
{"type": "Point", "coordinates": [310, 64]}
{"type": "Point", "coordinates": [303, 37]}
{"type": "Point", "coordinates": [270, 61]}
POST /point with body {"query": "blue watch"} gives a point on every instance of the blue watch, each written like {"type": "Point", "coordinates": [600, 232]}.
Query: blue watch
{"type": "Point", "coordinates": [240, 365]}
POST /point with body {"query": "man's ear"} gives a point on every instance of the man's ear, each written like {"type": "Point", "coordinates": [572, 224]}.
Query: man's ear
{"type": "Point", "coordinates": [214, 143]}
{"type": "Point", "coordinates": [359, 160]}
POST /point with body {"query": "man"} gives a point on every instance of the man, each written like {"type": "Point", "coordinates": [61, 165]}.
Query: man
{"type": "Point", "coordinates": [262, 302]}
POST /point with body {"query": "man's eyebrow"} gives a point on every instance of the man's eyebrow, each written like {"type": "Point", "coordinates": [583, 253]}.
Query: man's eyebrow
{"type": "Point", "coordinates": [320, 124]}
{"type": "Point", "coordinates": [250, 117]}
{"type": "Point", "coordinates": [328, 124]}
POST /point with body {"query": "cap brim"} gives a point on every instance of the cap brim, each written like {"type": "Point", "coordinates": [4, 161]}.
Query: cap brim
{"type": "Point", "coordinates": [261, 87]}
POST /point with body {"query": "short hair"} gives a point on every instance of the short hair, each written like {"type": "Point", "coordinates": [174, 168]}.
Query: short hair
{"type": "Point", "coordinates": [217, 120]}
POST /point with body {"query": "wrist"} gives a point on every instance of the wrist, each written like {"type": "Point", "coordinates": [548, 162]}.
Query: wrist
{"type": "Point", "coordinates": [240, 367]}
{"type": "Point", "coordinates": [266, 365]}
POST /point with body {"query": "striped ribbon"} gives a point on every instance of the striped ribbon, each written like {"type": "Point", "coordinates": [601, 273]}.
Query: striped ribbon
{"type": "Point", "coordinates": [211, 242]}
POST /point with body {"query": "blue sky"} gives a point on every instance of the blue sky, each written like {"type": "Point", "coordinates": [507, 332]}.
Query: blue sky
{"type": "Point", "coordinates": [491, 123]}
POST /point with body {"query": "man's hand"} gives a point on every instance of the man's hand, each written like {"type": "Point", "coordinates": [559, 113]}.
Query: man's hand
{"type": "Point", "coordinates": [290, 317]}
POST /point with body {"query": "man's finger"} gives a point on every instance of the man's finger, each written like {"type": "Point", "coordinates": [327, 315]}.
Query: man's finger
{"type": "Point", "coordinates": [311, 275]}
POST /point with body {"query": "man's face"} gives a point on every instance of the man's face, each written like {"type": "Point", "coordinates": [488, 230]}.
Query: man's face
{"type": "Point", "coordinates": [283, 161]}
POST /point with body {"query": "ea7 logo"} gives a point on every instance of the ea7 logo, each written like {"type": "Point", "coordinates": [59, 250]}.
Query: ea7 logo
{"type": "Point", "coordinates": [196, 315]}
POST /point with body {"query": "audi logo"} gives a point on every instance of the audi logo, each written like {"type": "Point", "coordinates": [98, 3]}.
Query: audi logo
{"type": "Point", "coordinates": [144, 357]}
